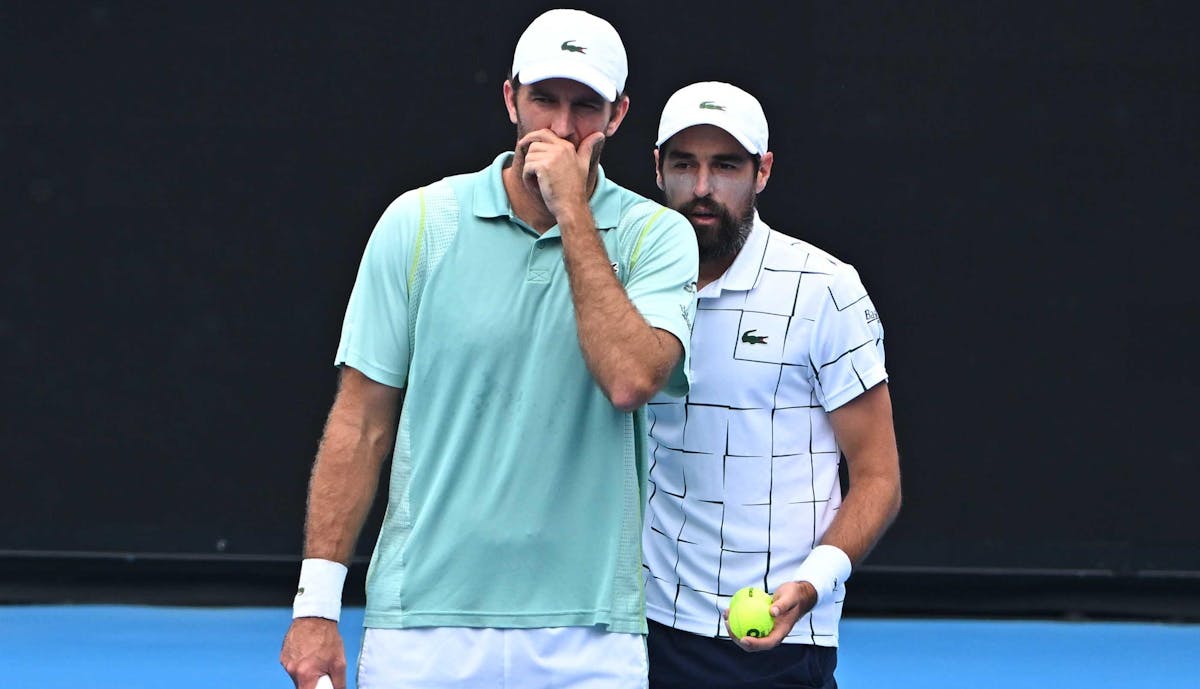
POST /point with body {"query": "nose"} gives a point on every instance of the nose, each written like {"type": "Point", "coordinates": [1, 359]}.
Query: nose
{"type": "Point", "coordinates": [703, 184]}
{"type": "Point", "coordinates": [561, 124]}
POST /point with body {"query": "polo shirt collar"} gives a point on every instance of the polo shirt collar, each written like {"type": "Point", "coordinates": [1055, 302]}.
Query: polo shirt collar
{"type": "Point", "coordinates": [491, 201]}
{"type": "Point", "coordinates": [746, 270]}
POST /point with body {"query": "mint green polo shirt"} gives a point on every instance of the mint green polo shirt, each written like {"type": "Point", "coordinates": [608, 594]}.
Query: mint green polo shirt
{"type": "Point", "coordinates": [517, 489]}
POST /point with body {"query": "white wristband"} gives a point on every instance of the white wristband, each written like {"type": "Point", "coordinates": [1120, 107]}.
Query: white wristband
{"type": "Point", "coordinates": [320, 591]}
{"type": "Point", "coordinates": [826, 567]}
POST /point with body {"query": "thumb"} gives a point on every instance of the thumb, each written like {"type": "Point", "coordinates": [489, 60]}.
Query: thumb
{"type": "Point", "coordinates": [783, 602]}
{"type": "Point", "coordinates": [591, 146]}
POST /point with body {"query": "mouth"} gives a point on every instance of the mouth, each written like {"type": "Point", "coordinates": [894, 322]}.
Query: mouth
{"type": "Point", "coordinates": [703, 216]}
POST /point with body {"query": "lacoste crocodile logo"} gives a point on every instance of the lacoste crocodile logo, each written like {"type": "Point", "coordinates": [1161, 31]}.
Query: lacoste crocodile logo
{"type": "Point", "coordinates": [754, 339]}
{"type": "Point", "coordinates": [709, 105]}
{"type": "Point", "coordinates": [566, 45]}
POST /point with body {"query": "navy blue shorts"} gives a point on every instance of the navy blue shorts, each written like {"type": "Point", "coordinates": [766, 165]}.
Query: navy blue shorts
{"type": "Point", "coordinates": [682, 660]}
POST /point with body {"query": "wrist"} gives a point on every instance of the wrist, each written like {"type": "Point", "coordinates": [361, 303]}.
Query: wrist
{"type": "Point", "coordinates": [574, 215]}
{"type": "Point", "coordinates": [826, 568]}
{"type": "Point", "coordinates": [319, 593]}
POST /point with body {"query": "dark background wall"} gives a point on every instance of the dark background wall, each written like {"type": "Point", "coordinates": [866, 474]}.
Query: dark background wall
{"type": "Point", "coordinates": [186, 189]}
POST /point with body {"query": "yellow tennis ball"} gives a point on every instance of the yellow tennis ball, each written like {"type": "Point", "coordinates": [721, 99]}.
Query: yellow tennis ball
{"type": "Point", "coordinates": [750, 613]}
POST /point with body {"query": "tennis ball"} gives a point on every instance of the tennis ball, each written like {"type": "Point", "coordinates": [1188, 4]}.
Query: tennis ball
{"type": "Point", "coordinates": [750, 613]}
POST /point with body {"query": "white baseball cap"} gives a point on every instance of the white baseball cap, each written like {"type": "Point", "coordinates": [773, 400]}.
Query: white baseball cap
{"type": "Point", "coordinates": [721, 105]}
{"type": "Point", "coordinates": [572, 44]}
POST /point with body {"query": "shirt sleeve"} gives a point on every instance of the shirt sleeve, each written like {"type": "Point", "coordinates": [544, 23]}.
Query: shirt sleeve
{"type": "Point", "coordinates": [847, 342]}
{"type": "Point", "coordinates": [662, 284]}
{"type": "Point", "coordinates": [375, 336]}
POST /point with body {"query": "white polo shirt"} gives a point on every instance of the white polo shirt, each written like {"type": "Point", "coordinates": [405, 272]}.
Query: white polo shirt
{"type": "Point", "coordinates": [744, 470]}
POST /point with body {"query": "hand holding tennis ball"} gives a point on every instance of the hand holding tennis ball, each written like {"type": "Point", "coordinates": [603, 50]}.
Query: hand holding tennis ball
{"type": "Point", "coordinates": [750, 613]}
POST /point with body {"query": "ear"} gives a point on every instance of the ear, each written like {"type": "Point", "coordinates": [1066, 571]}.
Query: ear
{"type": "Point", "coordinates": [510, 101]}
{"type": "Point", "coordinates": [618, 116]}
{"type": "Point", "coordinates": [764, 172]}
{"type": "Point", "coordinates": [658, 172]}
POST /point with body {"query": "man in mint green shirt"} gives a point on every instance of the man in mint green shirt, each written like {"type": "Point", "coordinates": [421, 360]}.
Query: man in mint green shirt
{"type": "Point", "coordinates": [520, 316]}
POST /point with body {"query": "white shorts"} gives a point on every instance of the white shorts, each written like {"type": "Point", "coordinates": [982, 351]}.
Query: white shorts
{"type": "Point", "coordinates": [544, 658]}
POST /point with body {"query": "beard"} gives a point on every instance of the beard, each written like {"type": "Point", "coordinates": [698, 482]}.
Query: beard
{"type": "Point", "coordinates": [728, 236]}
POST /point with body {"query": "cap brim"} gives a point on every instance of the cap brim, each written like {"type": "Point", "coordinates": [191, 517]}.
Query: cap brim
{"type": "Point", "coordinates": [696, 121]}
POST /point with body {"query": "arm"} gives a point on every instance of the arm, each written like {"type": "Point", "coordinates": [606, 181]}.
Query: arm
{"type": "Point", "coordinates": [630, 359]}
{"type": "Point", "coordinates": [867, 437]}
{"type": "Point", "coordinates": [358, 434]}
{"type": "Point", "coordinates": [865, 433]}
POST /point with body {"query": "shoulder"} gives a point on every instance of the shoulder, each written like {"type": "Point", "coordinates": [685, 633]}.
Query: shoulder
{"type": "Point", "coordinates": [401, 215]}
{"type": "Point", "coordinates": [650, 216]}
{"type": "Point", "coordinates": [785, 252]}
{"type": "Point", "coordinates": [412, 204]}
{"type": "Point", "coordinates": [822, 270]}
{"type": "Point", "coordinates": [639, 213]}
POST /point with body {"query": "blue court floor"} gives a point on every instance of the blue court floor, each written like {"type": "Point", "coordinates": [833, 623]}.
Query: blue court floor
{"type": "Point", "coordinates": [134, 647]}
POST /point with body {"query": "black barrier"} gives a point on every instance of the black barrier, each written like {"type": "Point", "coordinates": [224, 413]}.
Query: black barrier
{"type": "Point", "coordinates": [187, 190]}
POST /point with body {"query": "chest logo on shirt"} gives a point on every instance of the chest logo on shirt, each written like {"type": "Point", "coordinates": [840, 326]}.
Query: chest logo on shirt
{"type": "Point", "coordinates": [749, 338]}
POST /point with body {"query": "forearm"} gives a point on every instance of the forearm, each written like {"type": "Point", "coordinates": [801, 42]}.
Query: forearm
{"type": "Point", "coordinates": [869, 508]}
{"type": "Point", "coordinates": [629, 358]}
{"type": "Point", "coordinates": [864, 431]}
{"type": "Point", "coordinates": [863, 517]}
{"type": "Point", "coordinates": [344, 478]}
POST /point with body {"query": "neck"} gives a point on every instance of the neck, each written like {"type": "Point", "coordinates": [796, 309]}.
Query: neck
{"type": "Point", "coordinates": [528, 204]}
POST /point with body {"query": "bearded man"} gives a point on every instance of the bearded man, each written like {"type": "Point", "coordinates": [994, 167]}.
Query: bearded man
{"type": "Point", "coordinates": [787, 377]}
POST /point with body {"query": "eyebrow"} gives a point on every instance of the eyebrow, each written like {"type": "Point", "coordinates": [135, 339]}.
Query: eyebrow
{"type": "Point", "coordinates": [720, 157]}
{"type": "Point", "coordinates": [587, 99]}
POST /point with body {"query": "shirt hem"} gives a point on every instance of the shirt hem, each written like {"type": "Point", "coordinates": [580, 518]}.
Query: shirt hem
{"type": "Point", "coordinates": [410, 620]}
{"type": "Point", "coordinates": [375, 373]}
{"type": "Point", "coordinates": [699, 628]}
{"type": "Point", "coordinates": [845, 395]}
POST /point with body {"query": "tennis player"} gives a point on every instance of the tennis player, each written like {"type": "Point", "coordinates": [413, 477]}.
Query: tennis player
{"type": "Point", "coordinates": [788, 377]}
{"type": "Point", "coordinates": [517, 318]}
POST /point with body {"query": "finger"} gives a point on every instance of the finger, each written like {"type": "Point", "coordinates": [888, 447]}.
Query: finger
{"type": "Point", "coordinates": [538, 156]}
{"type": "Point", "coordinates": [752, 645]}
{"type": "Point", "coordinates": [538, 136]}
{"type": "Point", "coordinates": [761, 645]}
{"type": "Point", "coordinates": [776, 636]}
{"type": "Point", "coordinates": [783, 605]}
{"type": "Point", "coordinates": [591, 146]}
{"type": "Point", "coordinates": [785, 600]}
